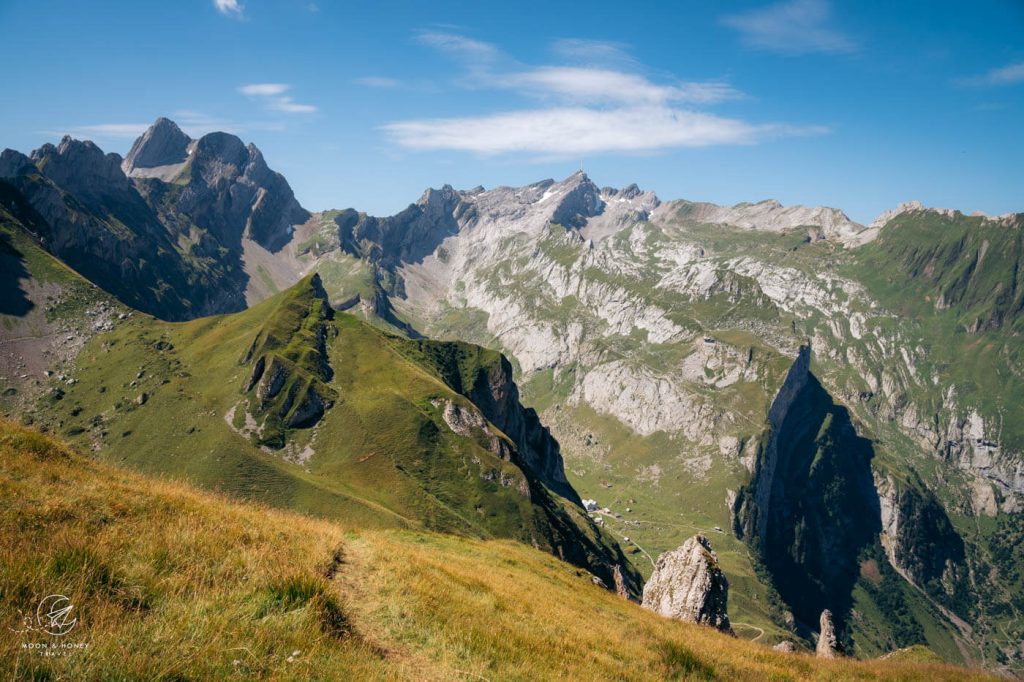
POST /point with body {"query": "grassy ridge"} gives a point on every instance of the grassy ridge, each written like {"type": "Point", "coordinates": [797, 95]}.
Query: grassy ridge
{"type": "Point", "coordinates": [179, 399]}
{"type": "Point", "coordinates": [172, 583]}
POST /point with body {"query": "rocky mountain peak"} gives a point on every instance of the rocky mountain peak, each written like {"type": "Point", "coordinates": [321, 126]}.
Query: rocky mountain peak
{"type": "Point", "coordinates": [163, 144]}
{"type": "Point", "coordinates": [905, 207]}
{"type": "Point", "coordinates": [231, 191]}
{"type": "Point", "coordinates": [13, 162]}
{"type": "Point", "coordinates": [631, 193]}
{"type": "Point", "coordinates": [637, 198]}
{"type": "Point", "coordinates": [688, 585]}
{"type": "Point", "coordinates": [224, 148]}
{"type": "Point", "coordinates": [579, 199]}
{"type": "Point", "coordinates": [442, 199]}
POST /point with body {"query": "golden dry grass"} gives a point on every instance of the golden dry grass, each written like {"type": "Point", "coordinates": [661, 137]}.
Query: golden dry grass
{"type": "Point", "coordinates": [172, 583]}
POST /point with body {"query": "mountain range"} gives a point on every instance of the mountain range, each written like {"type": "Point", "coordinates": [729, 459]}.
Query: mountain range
{"type": "Point", "coordinates": [836, 406]}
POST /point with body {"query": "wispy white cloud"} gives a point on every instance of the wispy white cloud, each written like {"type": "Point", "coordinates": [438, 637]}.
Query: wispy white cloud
{"type": "Point", "coordinates": [101, 131]}
{"type": "Point", "coordinates": [1004, 75]}
{"type": "Point", "coordinates": [590, 85]}
{"type": "Point", "coordinates": [566, 131]}
{"type": "Point", "coordinates": [377, 82]}
{"type": "Point", "coordinates": [287, 105]}
{"type": "Point", "coordinates": [264, 89]}
{"type": "Point", "coordinates": [573, 84]}
{"type": "Point", "coordinates": [791, 27]}
{"type": "Point", "coordinates": [274, 98]}
{"type": "Point", "coordinates": [590, 109]}
{"type": "Point", "coordinates": [229, 8]}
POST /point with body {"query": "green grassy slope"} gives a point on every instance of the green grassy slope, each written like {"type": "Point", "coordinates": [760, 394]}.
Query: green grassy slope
{"type": "Point", "coordinates": [954, 281]}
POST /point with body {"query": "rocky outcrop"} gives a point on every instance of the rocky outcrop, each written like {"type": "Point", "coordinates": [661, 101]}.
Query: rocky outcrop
{"type": "Point", "coordinates": [828, 642]}
{"type": "Point", "coordinates": [785, 647]}
{"type": "Point", "coordinates": [469, 422]}
{"type": "Point", "coordinates": [621, 588]}
{"type": "Point", "coordinates": [688, 585]}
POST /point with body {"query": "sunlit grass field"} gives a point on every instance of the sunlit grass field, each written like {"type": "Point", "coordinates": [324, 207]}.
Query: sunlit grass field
{"type": "Point", "coordinates": [173, 583]}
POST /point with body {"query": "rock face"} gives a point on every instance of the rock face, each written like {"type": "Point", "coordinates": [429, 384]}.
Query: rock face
{"type": "Point", "coordinates": [89, 214]}
{"type": "Point", "coordinates": [498, 397]}
{"type": "Point", "coordinates": [764, 472]}
{"type": "Point", "coordinates": [167, 229]}
{"type": "Point", "coordinates": [485, 378]}
{"type": "Point", "coordinates": [828, 643]}
{"type": "Point", "coordinates": [810, 508]}
{"type": "Point", "coordinates": [688, 585]}
{"type": "Point", "coordinates": [920, 540]}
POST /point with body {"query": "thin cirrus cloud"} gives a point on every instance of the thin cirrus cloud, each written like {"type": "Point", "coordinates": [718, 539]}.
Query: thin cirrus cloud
{"type": "Point", "coordinates": [380, 82]}
{"type": "Point", "coordinates": [1004, 75]}
{"type": "Point", "coordinates": [791, 27]}
{"type": "Point", "coordinates": [229, 8]}
{"type": "Point", "coordinates": [459, 46]}
{"type": "Point", "coordinates": [101, 131]}
{"type": "Point", "coordinates": [273, 97]}
{"type": "Point", "coordinates": [594, 52]}
{"type": "Point", "coordinates": [589, 109]}
{"type": "Point", "coordinates": [606, 85]}
{"type": "Point", "coordinates": [194, 123]}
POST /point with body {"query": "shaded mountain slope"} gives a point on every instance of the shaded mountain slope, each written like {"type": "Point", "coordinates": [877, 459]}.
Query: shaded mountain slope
{"type": "Point", "coordinates": [172, 243]}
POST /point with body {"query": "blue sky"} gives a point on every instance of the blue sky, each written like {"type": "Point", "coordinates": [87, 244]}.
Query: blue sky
{"type": "Point", "coordinates": [859, 105]}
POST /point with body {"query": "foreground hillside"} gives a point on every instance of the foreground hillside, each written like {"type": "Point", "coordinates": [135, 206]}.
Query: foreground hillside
{"type": "Point", "coordinates": [172, 583]}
